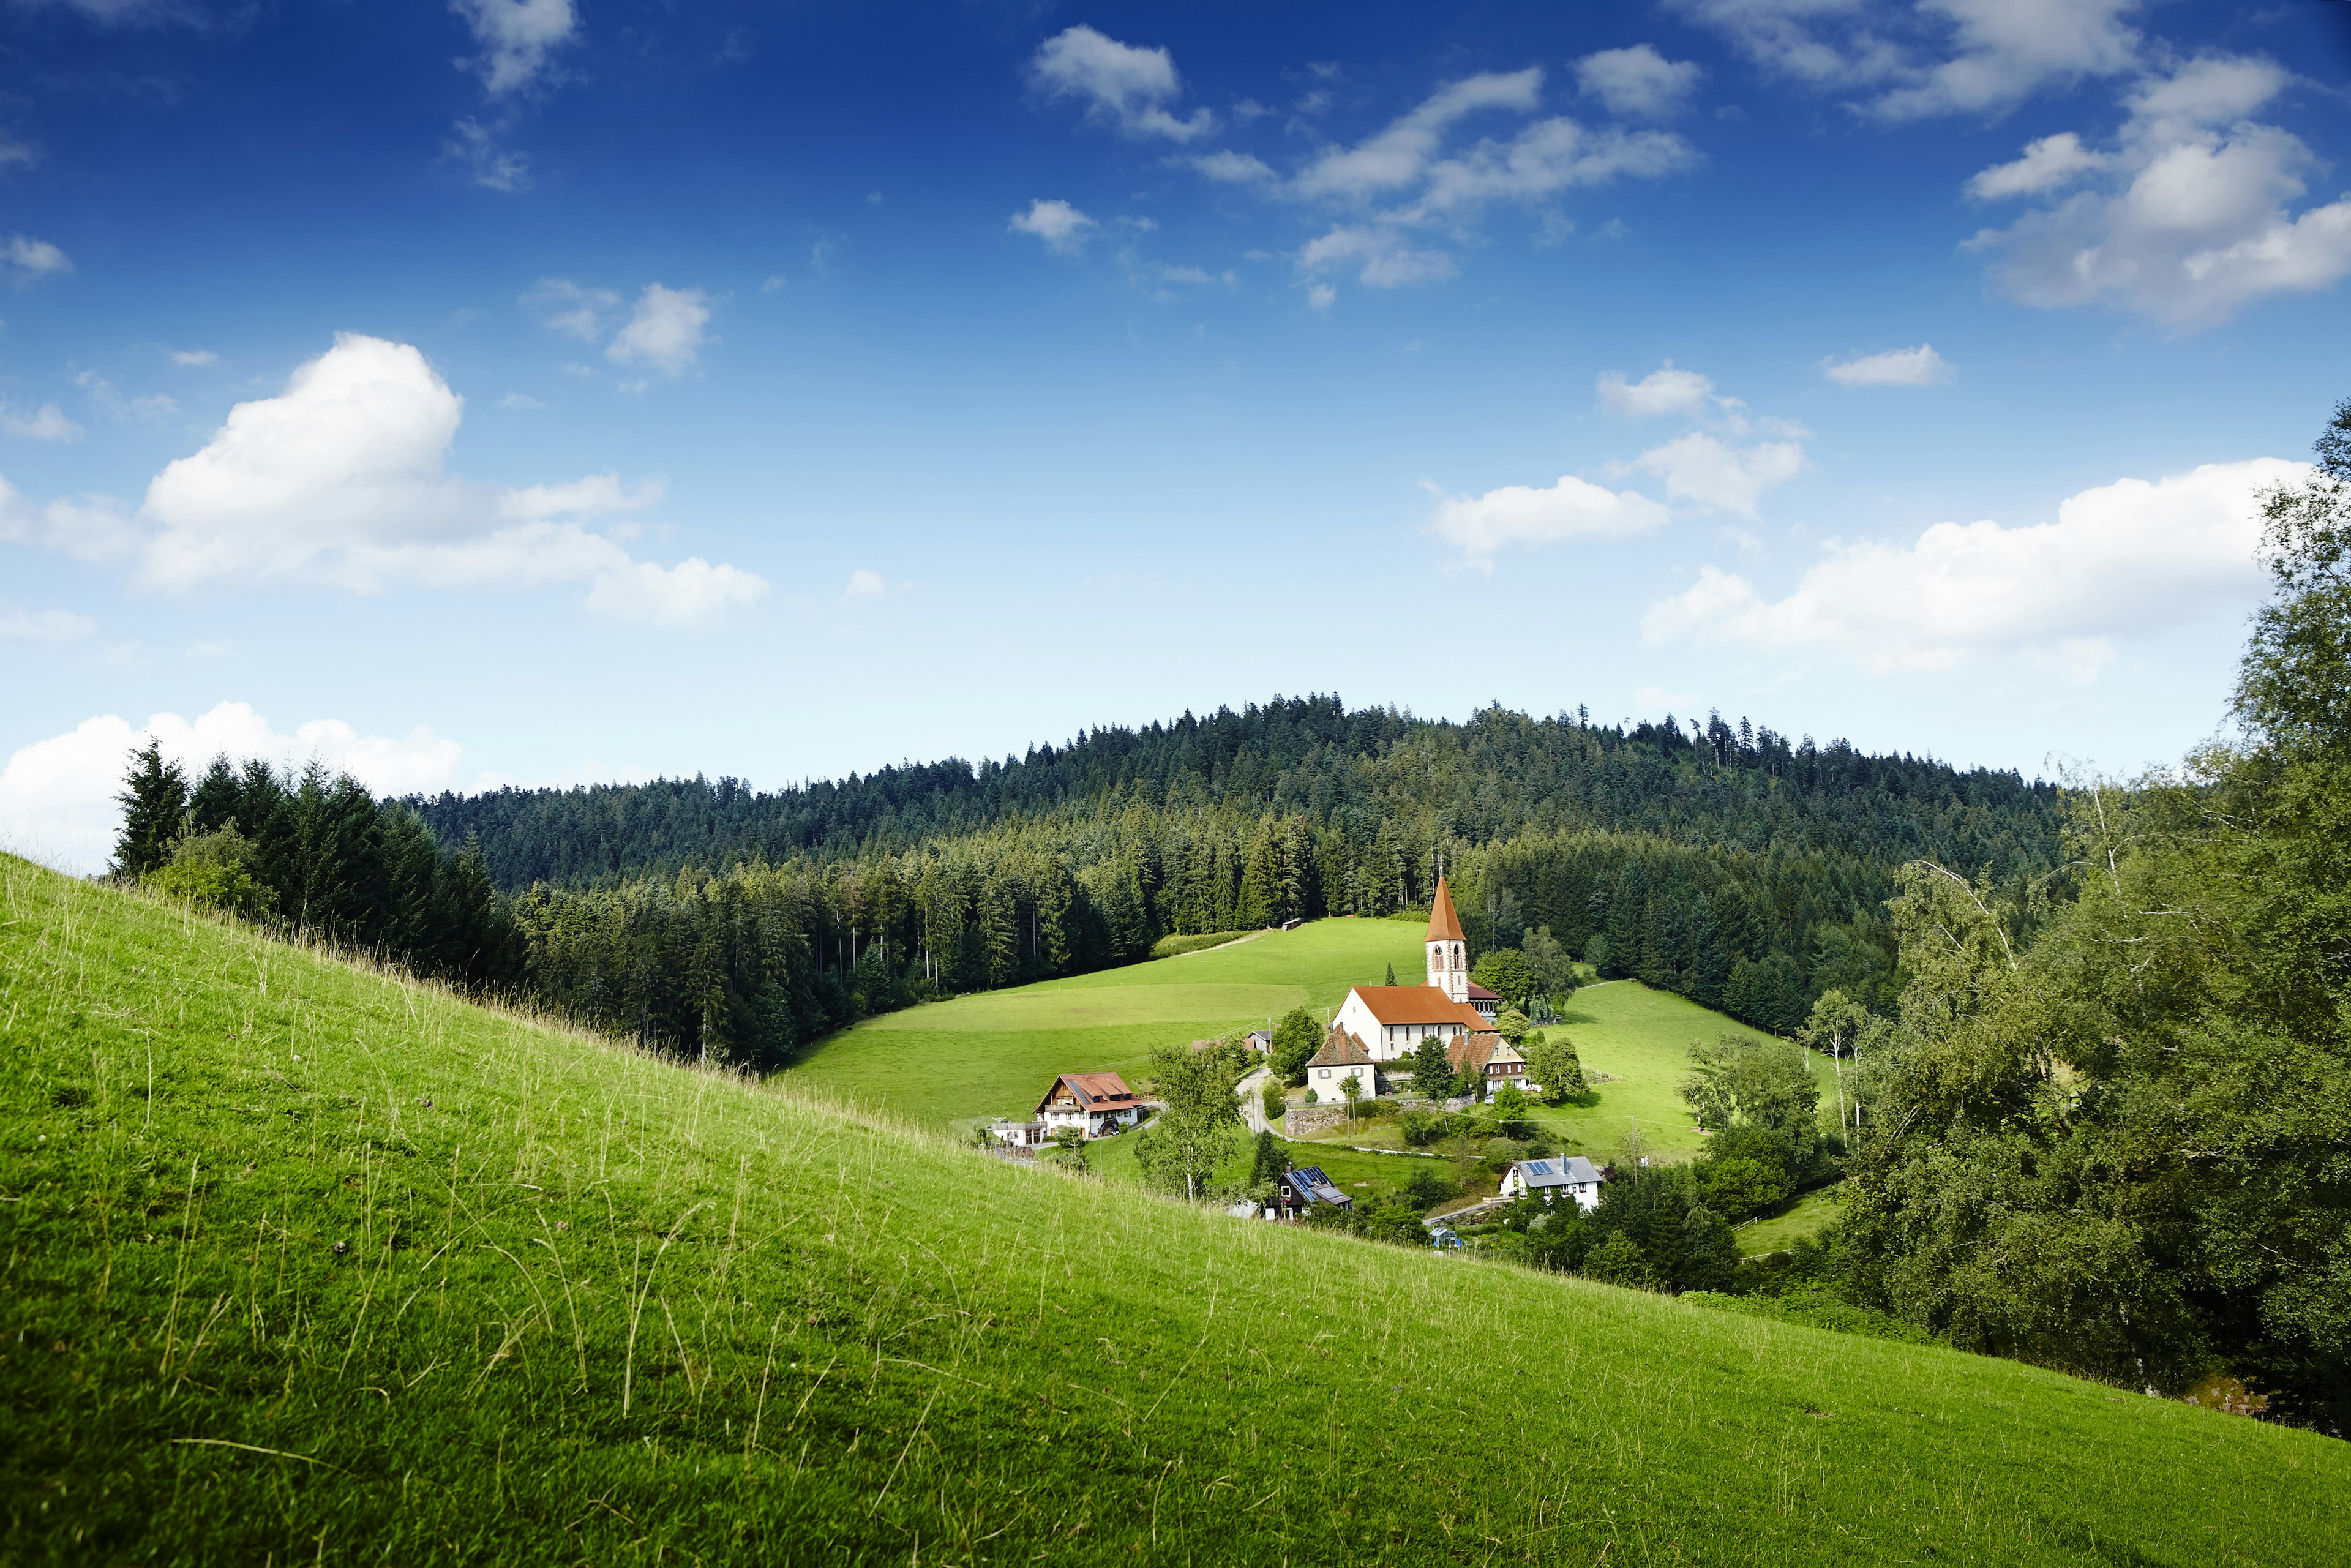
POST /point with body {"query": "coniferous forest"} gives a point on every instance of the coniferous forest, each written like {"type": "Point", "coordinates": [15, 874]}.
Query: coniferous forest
{"type": "Point", "coordinates": [1730, 864]}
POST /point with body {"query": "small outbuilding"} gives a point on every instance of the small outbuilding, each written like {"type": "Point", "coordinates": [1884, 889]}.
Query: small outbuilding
{"type": "Point", "coordinates": [1343, 1057]}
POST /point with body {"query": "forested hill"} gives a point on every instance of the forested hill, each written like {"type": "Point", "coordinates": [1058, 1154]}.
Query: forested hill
{"type": "Point", "coordinates": [1426, 782]}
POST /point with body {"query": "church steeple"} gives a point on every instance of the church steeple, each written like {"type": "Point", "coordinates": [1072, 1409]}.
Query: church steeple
{"type": "Point", "coordinates": [1449, 950]}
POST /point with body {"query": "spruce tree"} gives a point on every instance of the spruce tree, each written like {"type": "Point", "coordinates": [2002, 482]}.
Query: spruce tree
{"type": "Point", "coordinates": [154, 801]}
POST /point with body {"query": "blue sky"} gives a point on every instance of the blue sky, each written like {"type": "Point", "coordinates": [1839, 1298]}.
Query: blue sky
{"type": "Point", "coordinates": [567, 390]}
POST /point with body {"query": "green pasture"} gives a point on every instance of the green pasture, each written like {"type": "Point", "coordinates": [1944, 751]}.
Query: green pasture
{"type": "Point", "coordinates": [1642, 1038]}
{"type": "Point", "coordinates": [301, 1262]}
{"type": "Point", "coordinates": [1808, 1216]}
{"type": "Point", "coordinates": [992, 1054]}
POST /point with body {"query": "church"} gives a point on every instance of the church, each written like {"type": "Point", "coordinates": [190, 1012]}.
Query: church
{"type": "Point", "coordinates": [1388, 1023]}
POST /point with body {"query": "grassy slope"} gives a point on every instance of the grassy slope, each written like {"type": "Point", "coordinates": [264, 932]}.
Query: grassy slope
{"type": "Point", "coordinates": [597, 1307]}
{"type": "Point", "coordinates": [992, 1054]}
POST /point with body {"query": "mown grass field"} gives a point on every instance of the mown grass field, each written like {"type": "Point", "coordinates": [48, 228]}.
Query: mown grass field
{"type": "Point", "coordinates": [308, 1264]}
{"type": "Point", "coordinates": [959, 1063]}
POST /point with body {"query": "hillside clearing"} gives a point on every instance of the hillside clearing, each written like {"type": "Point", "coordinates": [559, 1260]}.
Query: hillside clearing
{"type": "Point", "coordinates": [311, 1263]}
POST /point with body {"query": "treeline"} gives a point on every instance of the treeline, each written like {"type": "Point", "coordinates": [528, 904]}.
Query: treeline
{"type": "Point", "coordinates": [321, 856]}
{"type": "Point", "coordinates": [1397, 787]}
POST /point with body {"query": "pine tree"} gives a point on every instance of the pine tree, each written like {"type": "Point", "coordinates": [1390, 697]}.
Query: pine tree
{"type": "Point", "coordinates": [154, 801]}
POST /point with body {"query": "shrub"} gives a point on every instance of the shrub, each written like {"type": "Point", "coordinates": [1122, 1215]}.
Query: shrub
{"type": "Point", "coordinates": [1740, 1187]}
{"type": "Point", "coordinates": [1273, 1100]}
{"type": "Point", "coordinates": [214, 869]}
{"type": "Point", "coordinates": [1426, 1189]}
{"type": "Point", "coordinates": [1503, 1152]}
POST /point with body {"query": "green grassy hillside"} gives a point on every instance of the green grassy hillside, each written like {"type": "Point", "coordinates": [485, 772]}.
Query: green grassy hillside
{"type": "Point", "coordinates": [304, 1263]}
{"type": "Point", "coordinates": [992, 1054]}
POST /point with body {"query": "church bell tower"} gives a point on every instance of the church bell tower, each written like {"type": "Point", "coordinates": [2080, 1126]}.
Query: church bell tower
{"type": "Point", "coordinates": [1449, 950]}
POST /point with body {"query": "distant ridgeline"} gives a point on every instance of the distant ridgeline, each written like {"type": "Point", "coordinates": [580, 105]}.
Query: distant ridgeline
{"type": "Point", "coordinates": [1727, 863]}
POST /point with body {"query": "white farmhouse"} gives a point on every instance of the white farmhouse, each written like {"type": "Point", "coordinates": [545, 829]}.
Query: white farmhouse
{"type": "Point", "coordinates": [1343, 1057]}
{"type": "Point", "coordinates": [1576, 1177]}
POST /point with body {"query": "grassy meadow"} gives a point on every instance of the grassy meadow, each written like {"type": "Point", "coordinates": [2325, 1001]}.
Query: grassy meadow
{"type": "Point", "coordinates": [309, 1263]}
{"type": "Point", "coordinates": [959, 1063]}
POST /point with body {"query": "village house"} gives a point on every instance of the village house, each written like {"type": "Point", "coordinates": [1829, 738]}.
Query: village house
{"type": "Point", "coordinates": [1299, 1190]}
{"type": "Point", "coordinates": [1096, 1103]}
{"type": "Point", "coordinates": [1343, 1057]}
{"type": "Point", "coordinates": [1572, 1174]}
{"type": "Point", "coordinates": [1392, 1020]}
{"type": "Point", "coordinates": [1493, 1059]}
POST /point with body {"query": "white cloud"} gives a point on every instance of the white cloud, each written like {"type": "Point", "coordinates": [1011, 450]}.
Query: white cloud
{"type": "Point", "coordinates": [1400, 155]}
{"type": "Point", "coordinates": [865, 583]}
{"type": "Point", "coordinates": [1413, 176]}
{"type": "Point", "coordinates": [2045, 165]}
{"type": "Point", "coordinates": [57, 795]}
{"type": "Point", "coordinates": [1235, 168]}
{"type": "Point", "coordinates": [28, 259]}
{"type": "Point", "coordinates": [1479, 526]}
{"type": "Point", "coordinates": [1919, 367]}
{"type": "Point", "coordinates": [2006, 50]}
{"type": "Point", "coordinates": [1639, 82]}
{"type": "Point", "coordinates": [2190, 217]}
{"type": "Point", "coordinates": [1706, 471]}
{"type": "Point", "coordinates": [1061, 226]}
{"type": "Point", "coordinates": [774, 282]}
{"type": "Point", "coordinates": [1128, 86]}
{"type": "Point", "coordinates": [1381, 257]}
{"type": "Point", "coordinates": [1320, 296]}
{"type": "Point", "coordinates": [1664, 390]}
{"type": "Point", "coordinates": [515, 401]}
{"type": "Point", "coordinates": [43, 625]}
{"type": "Point", "coordinates": [2119, 560]}
{"type": "Point", "coordinates": [563, 306]}
{"type": "Point", "coordinates": [494, 168]}
{"type": "Point", "coordinates": [341, 479]}
{"type": "Point", "coordinates": [14, 153]}
{"type": "Point", "coordinates": [516, 37]}
{"type": "Point", "coordinates": [104, 396]}
{"type": "Point", "coordinates": [664, 331]}
{"type": "Point", "coordinates": [193, 357]}
{"type": "Point", "coordinates": [47, 422]}
{"type": "Point", "coordinates": [1937, 57]}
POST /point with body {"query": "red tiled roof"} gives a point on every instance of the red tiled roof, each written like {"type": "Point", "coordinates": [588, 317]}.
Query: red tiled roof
{"type": "Point", "coordinates": [1478, 992]}
{"type": "Point", "coordinates": [1444, 925]}
{"type": "Point", "coordinates": [1092, 1091]}
{"type": "Point", "coordinates": [1340, 1048]}
{"type": "Point", "coordinates": [1417, 1004]}
{"type": "Point", "coordinates": [1476, 1050]}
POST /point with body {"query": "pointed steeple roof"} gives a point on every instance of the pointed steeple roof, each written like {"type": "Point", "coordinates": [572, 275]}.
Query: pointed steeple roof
{"type": "Point", "coordinates": [1444, 925]}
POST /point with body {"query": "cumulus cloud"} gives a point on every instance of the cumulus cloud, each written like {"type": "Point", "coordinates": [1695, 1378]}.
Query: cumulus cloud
{"type": "Point", "coordinates": [1232, 168]}
{"type": "Point", "coordinates": [193, 357]}
{"type": "Point", "coordinates": [1400, 154]}
{"type": "Point", "coordinates": [1639, 82]}
{"type": "Point", "coordinates": [664, 331]}
{"type": "Point", "coordinates": [518, 38]}
{"type": "Point", "coordinates": [1061, 226]}
{"type": "Point", "coordinates": [341, 479]}
{"type": "Point", "coordinates": [2048, 164]}
{"type": "Point", "coordinates": [2187, 218]}
{"type": "Point", "coordinates": [1919, 367]}
{"type": "Point", "coordinates": [28, 260]}
{"type": "Point", "coordinates": [57, 795]}
{"type": "Point", "coordinates": [1664, 390]}
{"type": "Point", "coordinates": [865, 583]}
{"type": "Point", "coordinates": [1703, 470]}
{"type": "Point", "coordinates": [47, 422]}
{"type": "Point", "coordinates": [1120, 84]}
{"type": "Point", "coordinates": [2116, 561]}
{"type": "Point", "coordinates": [1479, 526]}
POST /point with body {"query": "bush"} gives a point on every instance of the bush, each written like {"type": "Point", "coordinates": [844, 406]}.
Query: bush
{"type": "Point", "coordinates": [1169, 946]}
{"type": "Point", "coordinates": [1426, 1189]}
{"type": "Point", "coordinates": [214, 869]}
{"type": "Point", "coordinates": [1739, 1187]}
{"type": "Point", "coordinates": [1273, 1100]}
{"type": "Point", "coordinates": [1501, 1154]}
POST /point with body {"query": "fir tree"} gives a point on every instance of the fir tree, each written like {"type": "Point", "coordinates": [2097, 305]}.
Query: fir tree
{"type": "Point", "coordinates": [154, 801]}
